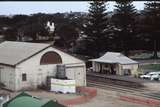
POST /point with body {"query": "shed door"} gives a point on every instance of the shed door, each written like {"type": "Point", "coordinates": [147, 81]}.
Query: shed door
{"type": "Point", "coordinates": [39, 78]}
{"type": "Point", "coordinates": [76, 73]}
{"type": "Point", "coordinates": [0, 75]}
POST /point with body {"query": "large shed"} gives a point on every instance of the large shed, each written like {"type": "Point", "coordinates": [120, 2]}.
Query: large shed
{"type": "Point", "coordinates": [26, 65]}
{"type": "Point", "coordinates": [115, 63]}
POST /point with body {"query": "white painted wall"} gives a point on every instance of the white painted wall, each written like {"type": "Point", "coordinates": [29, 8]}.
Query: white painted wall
{"type": "Point", "coordinates": [7, 76]}
{"type": "Point", "coordinates": [36, 73]}
{"type": "Point", "coordinates": [77, 72]}
{"type": "Point", "coordinates": [132, 67]}
{"type": "Point", "coordinates": [64, 86]}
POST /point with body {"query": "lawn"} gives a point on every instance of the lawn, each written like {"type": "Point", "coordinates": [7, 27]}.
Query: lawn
{"type": "Point", "coordinates": [144, 55]}
{"type": "Point", "coordinates": [151, 66]}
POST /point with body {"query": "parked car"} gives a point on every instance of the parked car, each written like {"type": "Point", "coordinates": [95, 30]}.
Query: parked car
{"type": "Point", "coordinates": [155, 76]}
{"type": "Point", "coordinates": [151, 76]}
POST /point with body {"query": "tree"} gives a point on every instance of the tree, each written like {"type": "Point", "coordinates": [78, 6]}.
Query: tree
{"type": "Point", "coordinates": [124, 21]}
{"type": "Point", "coordinates": [33, 27]}
{"type": "Point", "coordinates": [84, 46]}
{"type": "Point", "coordinates": [152, 23]}
{"type": "Point", "coordinates": [5, 21]}
{"type": "Point", "coordinates": [32, 30]}
{"type": "Point", "coordinates": [96, 26]}
{"type": "Point", "coordinates": [10, 34]}
{"type": "Point", "coordinates": [18, 20]}
{"type": "Point", "coordinates": [67, 34]}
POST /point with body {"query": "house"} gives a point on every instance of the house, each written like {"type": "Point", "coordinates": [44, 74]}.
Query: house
{"type": "Point", "coordinates": [26, 65]}
{"type": "Point", "coordinates": [115, 63]}
{"type": "Point", "coordinates": [50, 26]}
{"type": "Point", "coordinates": [26, 100]}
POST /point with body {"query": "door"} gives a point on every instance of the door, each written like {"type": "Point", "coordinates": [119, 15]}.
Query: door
{"type": "Point", "coordinates": [77, 74]}
{"type": "Point", "coordinates": [39, 78]}
{"type": "Point", "coordinates": [0, 75]}
{"type": "Point", "coordinates": [80, 76]}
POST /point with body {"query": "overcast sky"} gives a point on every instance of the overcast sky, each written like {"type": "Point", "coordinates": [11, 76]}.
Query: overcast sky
{"type": "Point", "coordinates": [10, 8]}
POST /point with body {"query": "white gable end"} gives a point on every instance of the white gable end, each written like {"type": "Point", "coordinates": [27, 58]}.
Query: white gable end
{"type": "Point", "coordinates": [33, 69]}
{"type": "Point", "coordinates": [68, 59]}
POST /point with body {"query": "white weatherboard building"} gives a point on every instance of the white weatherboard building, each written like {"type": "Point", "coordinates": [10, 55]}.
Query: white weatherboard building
{"type": "Point", "coordinates": [26, 65]}
{"type": "Point", "coordinates": [115, 63]}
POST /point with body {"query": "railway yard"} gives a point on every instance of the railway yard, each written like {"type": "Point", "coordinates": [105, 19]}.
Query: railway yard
{"type": "Point", "coordinates": [130, 88]}
{"type": "Point", "coordinates": [108, 98]}
{"type": "Point", "coordinates": [110, 89]}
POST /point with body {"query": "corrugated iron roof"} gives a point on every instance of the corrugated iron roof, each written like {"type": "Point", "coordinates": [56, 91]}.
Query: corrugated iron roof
{"type": "Point", "coordinates": [12, 53]}
{"type": "Point", "coordinates": [114, 57]}
{"type": "Point", "coordinates": [26, 100]}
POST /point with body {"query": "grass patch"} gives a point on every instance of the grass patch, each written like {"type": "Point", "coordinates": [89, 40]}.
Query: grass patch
{"type": "Point", "coordinates": [151, 66]}
{"type": "Point", "coordinates": [142, 55]}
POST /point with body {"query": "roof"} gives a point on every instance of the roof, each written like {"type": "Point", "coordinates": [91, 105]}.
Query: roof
{"type": "Point", "coordinates": [12, 53]}
{"type": "Point", "coordinates": [26, 100]}
{"type": "Point", "coordinates": [65, 51]}
{"type": "Point", "coordinates": [114, 57]}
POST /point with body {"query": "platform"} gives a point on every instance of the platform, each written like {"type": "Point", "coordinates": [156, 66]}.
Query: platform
{"type": "Point", "coordinates": [119, 77]}
{"type": "Point", "coordinates": [124, 80]}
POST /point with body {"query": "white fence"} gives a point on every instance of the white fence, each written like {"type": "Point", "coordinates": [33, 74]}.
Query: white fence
{"type": "Point", "coordinates": [64, 86]}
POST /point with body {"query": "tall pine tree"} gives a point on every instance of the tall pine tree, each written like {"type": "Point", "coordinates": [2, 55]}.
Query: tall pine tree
{"type": "Point", "coordinates": [124, 21]}
{"type": "Point", "coordinates": [152, 23]}
{"type": "Point", "coordinates": [96, 26]}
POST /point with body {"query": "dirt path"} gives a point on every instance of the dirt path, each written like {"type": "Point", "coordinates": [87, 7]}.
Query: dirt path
{"type": "Point", "coordinates": [106, 98]}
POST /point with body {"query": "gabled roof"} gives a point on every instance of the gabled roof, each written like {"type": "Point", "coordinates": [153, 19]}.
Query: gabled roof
{"type": "Point", "coordinates": [12, 53]}
{"type": "Point", "coordinates": [26, 100]}
{"type": "Point", "coordinates": [114, 57]}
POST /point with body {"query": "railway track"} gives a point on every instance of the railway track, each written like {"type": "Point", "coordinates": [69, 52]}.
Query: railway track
{"type": "Point", "coordinates": [118, 81]}
{"type": "Point", "coordinates": [121, 88]}
{"type": "Point", "coordinates": [143, 92]}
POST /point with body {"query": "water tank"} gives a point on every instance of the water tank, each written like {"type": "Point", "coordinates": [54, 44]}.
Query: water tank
{"type": "Point", "coordinates": [61, 73]}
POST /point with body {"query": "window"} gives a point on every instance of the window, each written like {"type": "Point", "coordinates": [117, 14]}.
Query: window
{"type": "Point", "coordinates": [24, 77]}
{"type": "Point", "coordinates": [51, 58]}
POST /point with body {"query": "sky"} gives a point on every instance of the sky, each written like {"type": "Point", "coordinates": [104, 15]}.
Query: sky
{"type": "Point", "coordinates": [23, 7]}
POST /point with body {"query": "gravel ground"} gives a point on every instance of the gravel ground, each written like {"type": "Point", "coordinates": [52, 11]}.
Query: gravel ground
{"type": "Point", "coordinates": [107, 98]}
{"type": "Point", "coordinates": [43, 94]}
{"type": "Point", "coordinates": [104, 98]}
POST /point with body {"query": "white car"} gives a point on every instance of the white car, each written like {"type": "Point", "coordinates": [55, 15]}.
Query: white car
{"type": "Point", "coordinates": [151, 76]}
{"type": "Point", "coordinates": [155, 76]}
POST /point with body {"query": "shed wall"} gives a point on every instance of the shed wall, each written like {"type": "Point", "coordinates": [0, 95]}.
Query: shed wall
{"type": "Point", "coordinates": [77, 72]}
{"type": "Point", "coordinates": [36, 73]}
{"type": "Point", "coordinates": [133, 68]}
{"type": "Point", "coordinates": [7, 76]}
